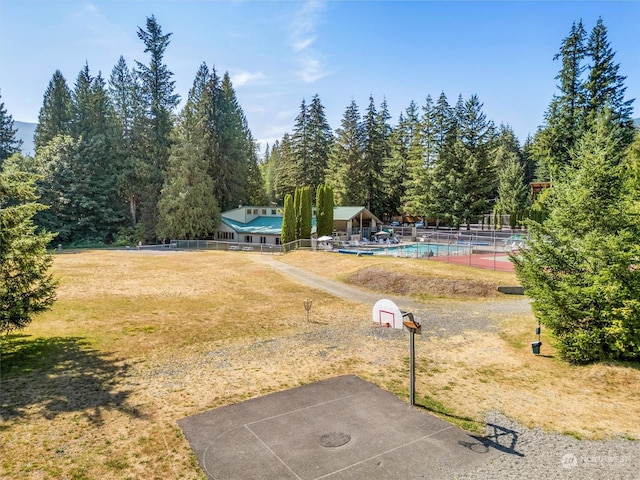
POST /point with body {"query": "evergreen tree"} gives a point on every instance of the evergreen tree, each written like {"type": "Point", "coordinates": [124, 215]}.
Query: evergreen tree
{"type": "Point", "coordinates": [528, 160]}
{"type": "Point", "coordinates": [127, 102]}
{"type": "Point", "coordinates": [564, 119]}
{"type": "Point", "coordinates": [122, 91]}
{"type": "Point", "coordinates": [463, 178]}
{"type": "Point", "coordinates": [255, 186]}
{"type": "Point", "coordinates": [56, 165]}
{"type": "Point", "coordinates": [26, 286]}
{"type": "Point", "coordinates": [297, 208]}
{"type": "Point", "coordinates": [159, 100]}
{"type": "Point", "coordinates": [507, 149]}
{"type": "Point", "coordinates": [306, 212]}
{"type": "Point", "coordinates": [322, 227]}
{"type": "Point", "coordinates": [419, 154]}
{"type": "Point", "coordinates": [445, 136]}
{"type": "Point", "coordinates": [56, 114]}
{"type": "Point", "coordinates": [320, 139]}
{"type": "Point", "coordinates": [94, 189]}
{"type": "Point", "coordinates": [267, 170]}
{"type": "Point", "coordinates": [512, 190]}
{"type": "Point", "coordinates": [476, 183]}
{"type": "Point", "coordinates": [310, 143]}
{"type": "Point", "coordinates": [633, 176]}
{"type": "Point", "coordinates": [581, 99]}
{"type": "Point", "coordinates": [374, 151]}
{"type": "Point", "coordinates": [327, 210]}
{"type": "Point", "coordinates": [9, 144]}
{"type": "Point", "coordinates": [345, 162]}
{"type": "Point", "coordinates": [188, 207]}
{"type": "Point", "coordinates": [285, 170]}
{"type": "Point", "coordinates": [604, 87]}
{"type": "Point", "coordinates": [288, 221]}
{"type": "Point", "coordinates": [580, 267]}
{"type": "Point", "coordinates": [395, 166]}
{"type": "Point", "coordinates": [300, 144]}
{"type": "Point", "coordinates": [234, 166]}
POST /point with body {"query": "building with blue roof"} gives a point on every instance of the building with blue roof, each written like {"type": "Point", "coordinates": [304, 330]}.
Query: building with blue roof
{"type": "Point", "coordinates": [263, 225]}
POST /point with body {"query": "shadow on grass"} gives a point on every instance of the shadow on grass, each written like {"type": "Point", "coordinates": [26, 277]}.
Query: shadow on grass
{"type": "Point", "coordinates": [430, 404]}
{"type": "Point", "coordinates": [635, 365]}
{"type": "Point", "coordinates": [57, 375]}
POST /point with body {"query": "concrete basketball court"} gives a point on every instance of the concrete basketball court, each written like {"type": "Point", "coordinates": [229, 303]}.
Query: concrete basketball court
{"type": "Point", "coordinates": [341, 428]}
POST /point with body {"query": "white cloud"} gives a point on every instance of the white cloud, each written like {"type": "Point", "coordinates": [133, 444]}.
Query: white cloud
{"type": "Point", "coordinates": [242, 78]}
{"type": "Point", "coordinates": [311, 69]}
{"type": "Point", "coordinates": [303, 38]}
{"type": "Point", "coordinates": [94, 33]}
{"type": "Point", "coordinates": [302, 44]}
{"type": "Point", "coordinates": [285, 114]}
{"type": "Point", "coordinates": [255, 109]}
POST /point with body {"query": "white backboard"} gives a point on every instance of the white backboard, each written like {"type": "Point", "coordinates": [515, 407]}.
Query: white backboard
{"type": "Point", "coordinates": [387, 314]}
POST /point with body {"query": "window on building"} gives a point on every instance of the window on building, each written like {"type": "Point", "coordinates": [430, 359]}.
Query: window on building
{"type": "Point", "coordinates": [248, 239]}
{"type": "Point", "coordinates": [274, 211]}
{"type": "Point", "coordinates": [277, 240]}
{"type": "Point", "coordinates": [224, 235]}
{"type": "Point", "coordinates": [264, 211]}
{"type": "Point", "coordinates": [263, 239]}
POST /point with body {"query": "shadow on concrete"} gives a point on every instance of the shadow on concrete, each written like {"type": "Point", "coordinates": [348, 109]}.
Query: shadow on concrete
{"type": "Point", "coordinates": [57, 375]}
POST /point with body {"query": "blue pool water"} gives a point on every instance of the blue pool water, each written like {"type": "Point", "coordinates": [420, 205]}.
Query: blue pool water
{"type": "Point", "coordinates": [422, 250]}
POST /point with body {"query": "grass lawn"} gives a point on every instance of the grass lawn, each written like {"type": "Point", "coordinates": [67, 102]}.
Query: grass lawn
{"type": "Point", "coordinates": [137, 340]}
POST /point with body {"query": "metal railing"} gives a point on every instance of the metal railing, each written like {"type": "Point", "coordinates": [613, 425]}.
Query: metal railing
{"type": "Point", "coordinates": [264, 248]}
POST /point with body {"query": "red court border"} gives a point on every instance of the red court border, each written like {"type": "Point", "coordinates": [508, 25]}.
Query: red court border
{"type": "Point", "coordinates": [479, 260]}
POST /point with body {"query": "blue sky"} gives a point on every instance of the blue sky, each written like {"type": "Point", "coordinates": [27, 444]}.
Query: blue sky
{"type": "Point", "coordinates": [279, 52]}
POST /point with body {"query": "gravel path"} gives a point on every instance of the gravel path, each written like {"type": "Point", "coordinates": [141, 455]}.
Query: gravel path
{"type": "Point", "coordinates": [532, 453]}
{"type": "Point", "coordinates": [528, 453]}
{"type": "Point", "coordinates": [437, 319]}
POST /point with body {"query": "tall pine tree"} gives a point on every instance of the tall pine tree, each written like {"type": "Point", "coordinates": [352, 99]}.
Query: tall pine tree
{"type": "Point", "coordinates": [56, 114]}
{"type": "Point", "coordinates": [9, 144]}
{"type": "Point", "coordinates": [26, 286]}
{"type": "Point", "coordinates": [320, 139]}
{"type": "Point", "coordinates": [188, 207]}
{"type": "Point", "coordinates": [346, 159]}
{"type": "Point", "coordinates": [159, 100]}
{"type": "Point", "coordinates": [580, 267]}
{"type": "Point", "coordinates": [604, 86]}
{"type": "Point", "coordinates": [374, 150]}
{"type": "Point", "coordinates": [127, 102]}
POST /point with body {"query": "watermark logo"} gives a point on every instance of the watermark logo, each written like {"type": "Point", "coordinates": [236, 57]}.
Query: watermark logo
{"type": "Point", "coordinates": [569, 461]}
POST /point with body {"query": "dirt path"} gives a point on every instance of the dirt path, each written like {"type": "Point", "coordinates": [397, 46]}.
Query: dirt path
{"type": "Point", "coordinates": [439, 318]}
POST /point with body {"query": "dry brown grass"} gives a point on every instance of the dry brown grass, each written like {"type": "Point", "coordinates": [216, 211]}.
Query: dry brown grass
{"type": "Point", "coordinates": [136, 341]}
{"type": "Point", "coordinates": [335, 266]}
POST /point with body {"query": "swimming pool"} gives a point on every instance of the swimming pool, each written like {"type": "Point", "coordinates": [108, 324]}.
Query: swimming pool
{"type": "Point", "coordinates": [422, 250]}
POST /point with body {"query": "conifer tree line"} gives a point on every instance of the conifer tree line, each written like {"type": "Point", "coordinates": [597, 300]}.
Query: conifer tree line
{"type": "Point", "coordinates": [117, 161]}
{"type": "Point", "coordinates": [441, 161]}
{"type": "Point", "coordinates": [581, 266]}
{"type": "Point", "coordinates": [445, 161]}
